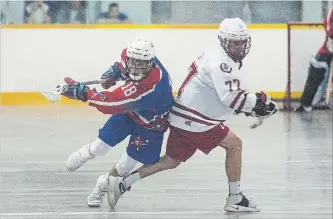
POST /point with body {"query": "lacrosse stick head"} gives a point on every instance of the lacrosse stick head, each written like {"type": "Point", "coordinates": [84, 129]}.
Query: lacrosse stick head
{"type": "Point", "coordinates": [53, 96]}
{"type": "Point", "coordinates": [260, 119]}
{"type": "Point", "coordinates": [257, 123]}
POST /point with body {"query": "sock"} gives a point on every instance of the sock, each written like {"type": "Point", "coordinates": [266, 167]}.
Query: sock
{"type": "Point", "coordinates": [234, 188]}
{"type": "Point", "coordinates": [131, 178]}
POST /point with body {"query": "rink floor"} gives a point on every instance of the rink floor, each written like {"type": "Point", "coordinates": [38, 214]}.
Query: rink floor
{"type": "Point", "coordinates": [287, 169]}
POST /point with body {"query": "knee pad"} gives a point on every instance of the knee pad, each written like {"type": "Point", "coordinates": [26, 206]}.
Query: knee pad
{"type": "Point", "coordinates": [125, 165]}
{"type": "Point", "coordinates": [99, 147]}
{"type": "Point", "coordinates": [318, 66]}
{"type": "Point", "coordinates": [320, 62]}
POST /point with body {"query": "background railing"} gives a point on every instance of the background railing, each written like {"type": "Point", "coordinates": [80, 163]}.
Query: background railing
{"type": "Point", "coordinates": [161, 12]}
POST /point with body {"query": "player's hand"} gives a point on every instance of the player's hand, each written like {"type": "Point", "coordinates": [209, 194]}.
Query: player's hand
{"type": "Point", "coordinates": [75, 90]}
{"type": "Point", "coordinates": [268, 111]}
{"type": "Point", "coordinates": [264, 105]}
{"type": "Point", "coordinates": [265, 98]}
{"type": "Point", "coordinates": [112, 75]}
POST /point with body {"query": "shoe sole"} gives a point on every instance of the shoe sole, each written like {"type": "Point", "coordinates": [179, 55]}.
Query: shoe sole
{"type": "Point", "coordinates": [93, 206]}
{"type": "Point", "coordinates": [110, 194]}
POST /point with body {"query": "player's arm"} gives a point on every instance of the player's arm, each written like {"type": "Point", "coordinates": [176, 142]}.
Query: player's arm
{"type": "Point", "coordinates": [116, 72]}
{"type": "Point", "coordinates": [230, 90]}
{"type": "Point", "coordinates": [231, 94]}
{"type": "Point", "coordinates": [129, 97]}
{"type": "Point", "coordinates": [124, 99]}
{"type": "Point", "coordinates": [328, 23]}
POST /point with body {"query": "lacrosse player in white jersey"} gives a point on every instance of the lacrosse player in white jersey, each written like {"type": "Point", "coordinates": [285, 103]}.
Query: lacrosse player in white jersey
{"type": "Point", "coordinates": [212, 92]}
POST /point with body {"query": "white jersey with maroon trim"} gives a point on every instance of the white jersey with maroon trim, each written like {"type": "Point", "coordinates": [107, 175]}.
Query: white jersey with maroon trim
{"type": "Point", "coordinates": [210, 94]}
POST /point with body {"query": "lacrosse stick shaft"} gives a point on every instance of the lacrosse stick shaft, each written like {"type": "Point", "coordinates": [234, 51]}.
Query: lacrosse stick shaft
{"type": "Point", "coordinates": [260, 120]}
{"type": "Point", "coordinates": [56, 95]}
{"type": "Point", "coordinates": [94, 82]}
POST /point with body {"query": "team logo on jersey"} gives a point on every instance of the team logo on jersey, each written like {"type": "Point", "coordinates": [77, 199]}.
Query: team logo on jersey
{"type": "Point", "coordinates": [188, 123]}
{"type": "Point", "coordinates": [225, 68]}
{"type": "Point", "coordinates": [138, 142]}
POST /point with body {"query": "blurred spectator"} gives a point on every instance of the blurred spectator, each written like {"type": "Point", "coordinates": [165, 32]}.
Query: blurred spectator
{"type": "Point", "coordinates": [113, 15]}
{"type": "Point", "coordinates": [38, 13]}
{"type": "Point", "coordinates": [70, 12]}
{"type": "Point", "coordinates": [247, 14]}
{"type": "Point", "coordinates": [77, 11]}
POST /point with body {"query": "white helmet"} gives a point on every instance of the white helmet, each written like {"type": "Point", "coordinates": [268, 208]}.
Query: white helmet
{"type": "Point", "coordinates": [235, 38]}
{"type": "Point", "coordinates": [139, 59]}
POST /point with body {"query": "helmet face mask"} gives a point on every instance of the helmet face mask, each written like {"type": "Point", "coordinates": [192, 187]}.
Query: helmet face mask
{"type": "Point", "coordinates": [236, 49]}
{"type": "Point", "coordinates": [138, 69]}
{"type": "Point", "coordinates": [234, 38]}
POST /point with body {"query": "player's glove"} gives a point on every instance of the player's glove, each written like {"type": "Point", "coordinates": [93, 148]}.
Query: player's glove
{"type": "Point", "coordinates": [75, 90]}
{"type": "Point", "coordinates": [112, 75]}
{"type": "Point", "coordinates": [264, 106]}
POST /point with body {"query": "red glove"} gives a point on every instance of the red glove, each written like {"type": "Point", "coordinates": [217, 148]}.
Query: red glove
{"type": "Point", "coordinates": [69, 81]}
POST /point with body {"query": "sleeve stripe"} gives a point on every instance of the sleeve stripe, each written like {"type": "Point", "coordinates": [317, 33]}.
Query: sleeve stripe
{"type": "Point", "coordinates": [122, 102]}
{"type": "Point", "coordinates": [191, 118]}
{"type": "Point", "coordinates": [184, 108]}
{"type": "Point", "coordinates": [242, 103]}
{"type": "Point", "coordinates": [232, 105]}
{"type": "Point", "coordinates": [138, 95]}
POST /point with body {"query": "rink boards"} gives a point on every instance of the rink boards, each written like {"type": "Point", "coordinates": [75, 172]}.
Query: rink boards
{"type": "Point", "coordinates": [38, 57]}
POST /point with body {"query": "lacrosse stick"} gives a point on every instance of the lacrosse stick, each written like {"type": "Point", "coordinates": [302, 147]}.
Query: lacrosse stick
{"type": "Point", "coordinates": [260, 120]}
{"type": "Point", "coordinates": [54, 96]}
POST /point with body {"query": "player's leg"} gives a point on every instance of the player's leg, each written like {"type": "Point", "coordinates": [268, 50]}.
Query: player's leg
{"type": "Point", "coordinates": [115, 130]}
{"type": "Point", "coordinates": [85, 153]}
{"type": "Point", "coordinates": [123, 167]}
{"type": "Point", "coordinates": [236, 201]}
{"type": "Point", "coordinates": [178, 150]}
{"type": "Point", "coordinates": [322, 88]}
{"type": "Point", "coordinates": [329, 90]}
{"type": "Point", "coordinates": [119, 185]}
{"type": "Point", "coordinates": [318, 67]}
{"type": "Point", "coordinates": [145, 146]}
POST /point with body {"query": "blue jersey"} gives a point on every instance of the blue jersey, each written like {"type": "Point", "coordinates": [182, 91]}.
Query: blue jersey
{"type": "Point", "coordinates": [147, 101]}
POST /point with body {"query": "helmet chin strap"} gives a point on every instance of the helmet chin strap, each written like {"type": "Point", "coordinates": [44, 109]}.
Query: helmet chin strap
{"type": "Point", "coordinates": [236, 59]}
{"type": "Point", "coordinates": [133, 78]}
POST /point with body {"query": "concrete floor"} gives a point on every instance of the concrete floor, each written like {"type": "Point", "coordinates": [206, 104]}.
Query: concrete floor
{"type": "Point", "coordinates": [287, 169]}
